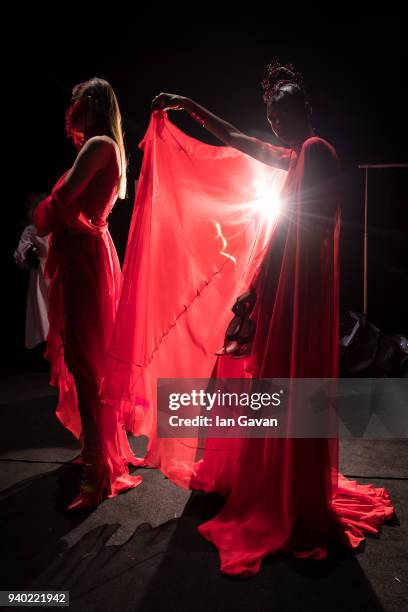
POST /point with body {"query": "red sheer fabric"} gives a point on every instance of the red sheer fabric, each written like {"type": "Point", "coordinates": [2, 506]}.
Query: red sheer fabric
{"type": "Point", "coordinates": [282, 494]}
{"type": "Point", "coordinates": [85, 279]}
{"type": "Point", "coordinates": [198, 231]}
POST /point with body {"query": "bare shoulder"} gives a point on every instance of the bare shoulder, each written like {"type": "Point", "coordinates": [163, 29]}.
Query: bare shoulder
{"type": "Point", "coordinates": [319, 147]}
{"type": "Point", "coordinates": [101, 143]}
{"type": "Point", "coordinates": [99, 150]}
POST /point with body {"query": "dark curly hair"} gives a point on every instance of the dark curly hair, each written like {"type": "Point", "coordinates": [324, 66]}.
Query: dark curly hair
{"type": "Point", "coordinates": [279, 75]}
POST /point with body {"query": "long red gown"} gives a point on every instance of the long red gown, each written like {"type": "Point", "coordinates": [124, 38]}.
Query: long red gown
{"type": "Point", "coordinates": [85, 278]}
{"type": "Point", "coordinates": [286, 494]}
{"type": "Point", "coordinates": [282, 494]}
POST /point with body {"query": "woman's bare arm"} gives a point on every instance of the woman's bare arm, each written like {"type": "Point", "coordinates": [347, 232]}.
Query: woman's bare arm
{"type": "Point", "coordinates": [228, 134]}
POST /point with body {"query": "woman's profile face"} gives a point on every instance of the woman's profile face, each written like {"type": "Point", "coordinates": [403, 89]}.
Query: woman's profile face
{"type": "Point", "coordinates": [281, 122]}
{"type": "Point", "coordinates": [76, 120]}
{"type": "Point", "coordinates": [286, 115]}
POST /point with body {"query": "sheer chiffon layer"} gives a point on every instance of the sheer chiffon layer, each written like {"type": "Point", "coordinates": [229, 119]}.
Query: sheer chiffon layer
{"type": "Point", "coordinates": [199, 238]}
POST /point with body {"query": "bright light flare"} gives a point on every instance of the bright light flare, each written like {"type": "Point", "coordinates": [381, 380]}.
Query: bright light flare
{"type": "Point", "coordinates": [266, 200]}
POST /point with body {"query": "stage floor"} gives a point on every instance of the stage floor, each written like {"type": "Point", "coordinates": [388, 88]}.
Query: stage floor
{"type": "Point", "coordinates": [142, 551]}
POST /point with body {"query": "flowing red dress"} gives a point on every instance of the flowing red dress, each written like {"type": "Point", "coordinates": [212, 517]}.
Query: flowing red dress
{"type": "Point", "coordinates": [286, 494]}
{"type": "Point", "coordinates": [85, 279]}
{"type": "Point", "coordinates": [281, 494]}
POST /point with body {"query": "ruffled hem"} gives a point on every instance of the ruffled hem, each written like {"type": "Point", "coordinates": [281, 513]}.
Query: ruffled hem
{"type": "Point", "coordinates": [356, 510]}
{"type": "Point", "coordinates": [360, 508]}
{"type": "Point", "coordinates": [123, 483]}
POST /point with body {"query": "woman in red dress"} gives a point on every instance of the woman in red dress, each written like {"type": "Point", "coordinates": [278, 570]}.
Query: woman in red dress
{"type": "Point", "coordinates": [285, 494]}
{"type": "Point", "coordinates": [85, 278]}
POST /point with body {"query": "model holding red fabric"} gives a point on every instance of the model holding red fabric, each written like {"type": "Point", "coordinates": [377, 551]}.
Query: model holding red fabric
{"type": "Point", "coordinates": [85, 278]}
{"type": "Point", "coordinates": [285, 494]}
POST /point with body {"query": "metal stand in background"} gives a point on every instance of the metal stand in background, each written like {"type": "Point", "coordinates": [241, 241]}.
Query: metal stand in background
{"type": "Point", "coordinates": [366, 167]}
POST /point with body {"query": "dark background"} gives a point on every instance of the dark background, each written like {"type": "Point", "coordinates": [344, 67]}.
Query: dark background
{"type": "Point", "coordinates": [355, 70]}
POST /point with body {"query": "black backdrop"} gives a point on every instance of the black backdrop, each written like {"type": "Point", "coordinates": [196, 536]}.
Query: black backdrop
{"type": "Point", "coordinates": [355, 73]}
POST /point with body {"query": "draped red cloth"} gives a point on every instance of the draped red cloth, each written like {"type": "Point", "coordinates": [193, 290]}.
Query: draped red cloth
{"type": "Point", "coordinates": [85, 278]}
{"type": "Point", "coordinates": [179, 283]}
